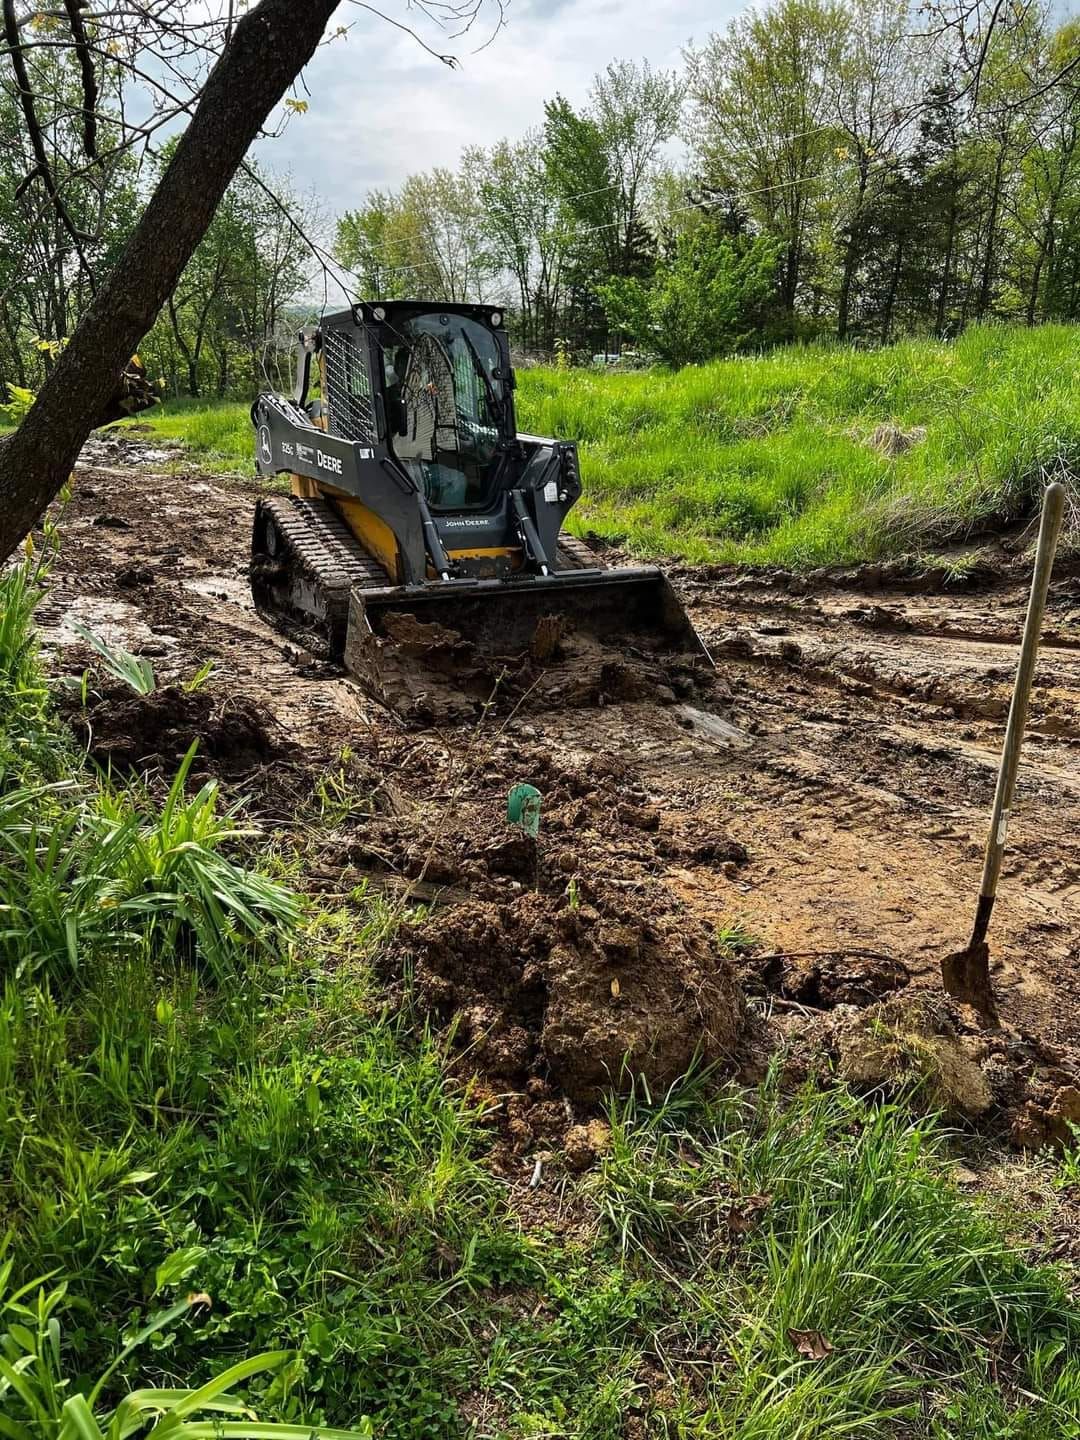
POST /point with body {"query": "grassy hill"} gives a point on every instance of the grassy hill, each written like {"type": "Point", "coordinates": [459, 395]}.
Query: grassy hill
{"type": "Point", "coordinates": [805, 456]}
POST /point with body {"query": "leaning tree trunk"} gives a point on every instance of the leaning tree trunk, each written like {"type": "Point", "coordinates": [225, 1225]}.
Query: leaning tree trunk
{"type": "Point", "coordinates": [268, 48]}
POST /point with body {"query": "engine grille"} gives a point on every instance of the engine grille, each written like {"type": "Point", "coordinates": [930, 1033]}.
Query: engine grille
{"type": "Point", "coordinates": [349, 404]}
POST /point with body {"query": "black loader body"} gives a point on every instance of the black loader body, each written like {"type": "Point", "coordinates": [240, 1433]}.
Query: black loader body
{"type": "Point", "coordinates": [413, 496]}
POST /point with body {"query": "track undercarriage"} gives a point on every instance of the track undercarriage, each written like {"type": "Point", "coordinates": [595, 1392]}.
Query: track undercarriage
{"type": "Point", "coordinates": [443, 652]}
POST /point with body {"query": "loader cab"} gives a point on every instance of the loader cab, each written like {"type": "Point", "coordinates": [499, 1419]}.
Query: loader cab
{"type": "Point", "coordinates": [434, 384]}
{"type": "Point", "coordinates": [446, 388]}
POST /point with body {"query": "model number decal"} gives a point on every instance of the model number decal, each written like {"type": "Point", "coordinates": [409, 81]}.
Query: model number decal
{"type": "Point", "coordinates": [311, 455]}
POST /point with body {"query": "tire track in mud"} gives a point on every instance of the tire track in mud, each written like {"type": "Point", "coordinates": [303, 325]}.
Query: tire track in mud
{"type": "Point", "coordinates": [895, 724]}
{"type": "Point", "coordinates": [850, 750]}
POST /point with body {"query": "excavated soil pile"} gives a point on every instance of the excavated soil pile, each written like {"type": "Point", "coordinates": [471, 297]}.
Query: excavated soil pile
{"type": "Point", "coordinates": [589, 991]}
{"type": "Point", "coordinates": [1021, 1086]}
{"type": "Point", "coordinates": [155, 731]}
{"type": "Point", "coordinates": [597, 820]}
{"type": "Point", "coordinates": [431, 674]}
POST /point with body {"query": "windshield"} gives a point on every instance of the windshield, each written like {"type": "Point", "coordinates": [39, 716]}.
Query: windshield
{"type": "Point", "coordinates": [445, 397]}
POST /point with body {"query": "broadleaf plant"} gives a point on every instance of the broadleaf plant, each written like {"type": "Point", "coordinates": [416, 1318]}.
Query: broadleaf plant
{"type": "Point", "coordinates": [38, 1402]}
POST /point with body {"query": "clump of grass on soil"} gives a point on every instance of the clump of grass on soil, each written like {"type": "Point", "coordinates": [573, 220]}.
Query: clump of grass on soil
{"type": "Point", "coordinates": [742, 1263]}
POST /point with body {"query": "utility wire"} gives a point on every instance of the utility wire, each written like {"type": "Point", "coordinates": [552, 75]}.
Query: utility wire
{"type": "Point", "coordinates": [615, 185]}
{"type": "Point", "coordinates": [702, 205]}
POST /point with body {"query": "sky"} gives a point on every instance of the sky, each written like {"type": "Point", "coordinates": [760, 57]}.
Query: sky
{"type": "Point", "coordinates": [380, 108]}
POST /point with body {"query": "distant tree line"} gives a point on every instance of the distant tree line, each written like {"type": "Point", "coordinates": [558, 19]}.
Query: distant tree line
{"type": "Point", "coordinates": [853, 168]}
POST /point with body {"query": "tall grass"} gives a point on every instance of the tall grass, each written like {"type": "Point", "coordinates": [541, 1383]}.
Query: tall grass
{"type": "Point", "coordinates": [298, 1156]}
{"type": "Point", "coordinates": [41, 1402]}
{"type": "Point", "coordinates": [89, 867]}
{"type": "Point", "coordinates": [770, 459]}
{"type": "Point", "coordinates": [87, 870]}
{"type": "Point", "coordinates": [28, 742]}
{"type": "Point", "coordinates": [833, 1216]}
{"type": "Point", "coordinates": [215, 433]}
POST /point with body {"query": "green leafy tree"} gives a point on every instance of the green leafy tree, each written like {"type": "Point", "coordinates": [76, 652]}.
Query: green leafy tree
{"type": "Point", "coordinates": [422, 240]}
{"type": "Point", "coordinates": [45, 284]}
{"type": "Point", "coordinates": [523, 235]}
{"type": "Point", "coordinates": [1045, 209]}
{"type": "Point", "coordinates": [707, 300]}
{"type": "Point", "coordinates": [876, 100]}
{"type": "Point", "coordinates": [222, 325]}
{"type": "Point", "coordinates": [762, 123]}
{"type": "Point", "coordinates": [603, 162]}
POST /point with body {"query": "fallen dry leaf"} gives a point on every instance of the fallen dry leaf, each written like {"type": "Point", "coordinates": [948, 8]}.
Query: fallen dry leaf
{"type": "Point", "coordinates": [811, 1343]}
{"type": "Point", "coordinates": [746, 1212]}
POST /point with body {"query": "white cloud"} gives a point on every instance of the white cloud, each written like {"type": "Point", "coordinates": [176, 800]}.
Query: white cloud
{"type": "Point", "coordinates": [380, 107]}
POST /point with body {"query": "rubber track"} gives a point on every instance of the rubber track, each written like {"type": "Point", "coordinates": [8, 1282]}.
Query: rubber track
{"type": "Point", "coordinates": [323, 543]}
{"type": "Point", "coordinates": [574, 554]}
{"type": "Point", "coordinates": [322, 548]}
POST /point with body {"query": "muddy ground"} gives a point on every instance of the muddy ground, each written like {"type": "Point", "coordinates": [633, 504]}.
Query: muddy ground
{"type": "Point", "coordinates": [828, 798]}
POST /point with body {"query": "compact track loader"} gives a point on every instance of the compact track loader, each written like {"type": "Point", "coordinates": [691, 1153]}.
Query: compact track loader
{"type": "Point", "coordinates": [422, 542]}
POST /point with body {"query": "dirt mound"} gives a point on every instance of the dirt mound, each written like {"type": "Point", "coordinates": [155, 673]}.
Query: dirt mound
{"type": "Point", "coordinates": [590, 988]}
{"type": "Point", "coordinates": [154, 732]}
{"type": "Point", "coordinates": [431, 674]}
{"type": "Point", "coordinates": [904, 1043]}
{"type": "Point", "coordinates": [1015, 1084]}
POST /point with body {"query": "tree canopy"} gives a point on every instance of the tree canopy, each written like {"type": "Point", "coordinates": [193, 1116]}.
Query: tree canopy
{"type": "Point", "coordinates": [901, 176]}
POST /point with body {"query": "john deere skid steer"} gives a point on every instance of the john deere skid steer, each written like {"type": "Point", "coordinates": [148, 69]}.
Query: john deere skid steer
{"type": "Point", "coordinates": [422, 542]}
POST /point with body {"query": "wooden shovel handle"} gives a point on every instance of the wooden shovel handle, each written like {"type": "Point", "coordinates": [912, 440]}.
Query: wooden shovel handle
{"type": "Point", "coordinates": [1049, 530]}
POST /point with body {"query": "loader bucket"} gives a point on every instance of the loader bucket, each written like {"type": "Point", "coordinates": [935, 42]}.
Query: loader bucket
{"type": "Point", "coordinates": [442, 651]}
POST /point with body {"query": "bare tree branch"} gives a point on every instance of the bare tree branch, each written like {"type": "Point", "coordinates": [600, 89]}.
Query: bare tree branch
{"type": "Point", "coordinates": [36, 136]}
{"type": "Point", "coordinates": [270, 44]}
{"type": "Point", "coordinates": [89, 77]}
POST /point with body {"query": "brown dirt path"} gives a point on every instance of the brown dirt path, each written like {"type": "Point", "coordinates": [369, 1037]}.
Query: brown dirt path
{"type": "Point", "coordinates": [833, 796]}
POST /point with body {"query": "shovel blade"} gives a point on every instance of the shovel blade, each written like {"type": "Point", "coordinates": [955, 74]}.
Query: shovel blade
{"type": "Point", "coordinates": [441, 651]}
{"type": "Point", "coordinates": [636, 606]}
{"type": "Point", "coordinates": [966, 977]}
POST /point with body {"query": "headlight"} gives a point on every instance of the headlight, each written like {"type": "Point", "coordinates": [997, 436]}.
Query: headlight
{"type": "Point", "coordinates": [496, 317]}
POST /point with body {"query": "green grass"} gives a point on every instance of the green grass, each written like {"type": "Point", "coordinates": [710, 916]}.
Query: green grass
{"type": "Point", "coordinates": [292, 1152]}
{"type": "Point", "coordinates": [768, 460]}
{"type": "Point", "coordinates": [217, 434]}
{"type": "Point", "coordinates": [199, 1105]}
